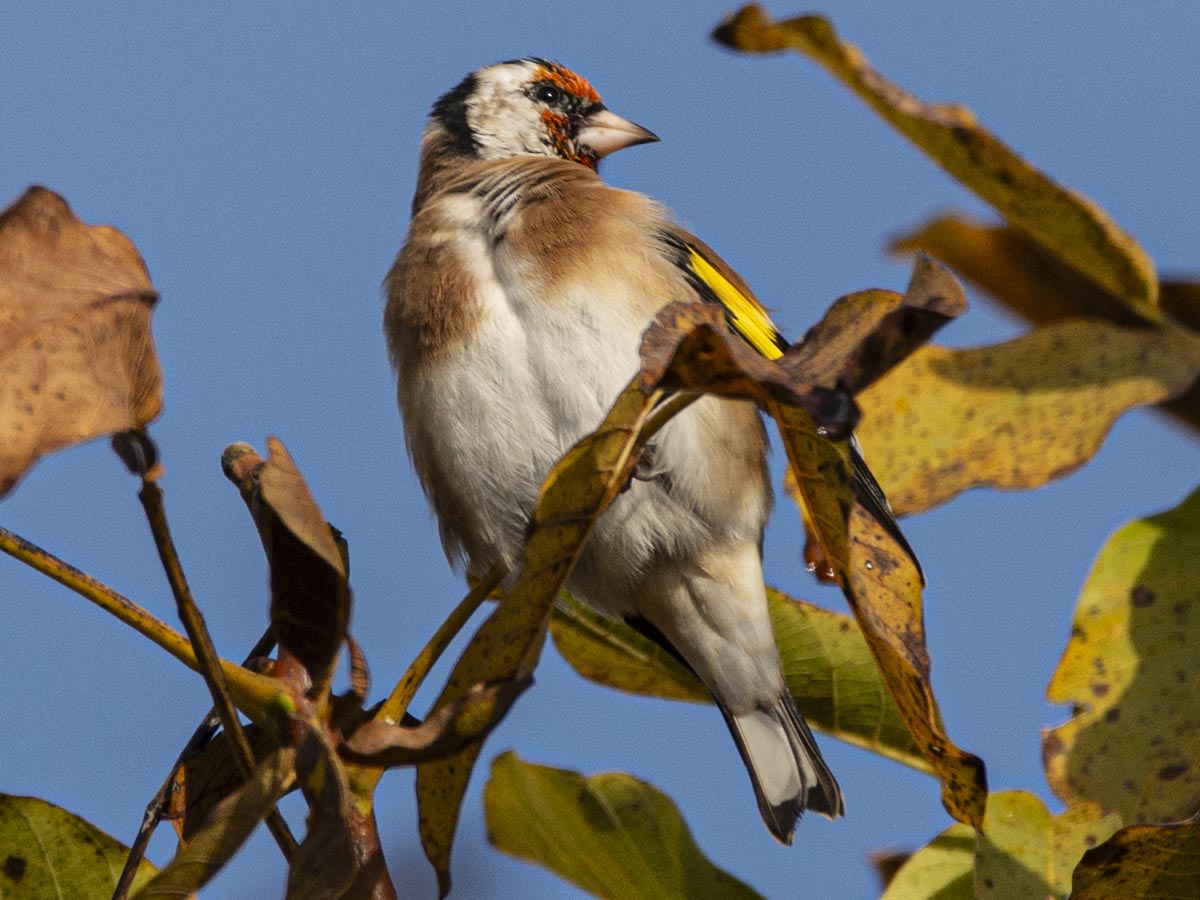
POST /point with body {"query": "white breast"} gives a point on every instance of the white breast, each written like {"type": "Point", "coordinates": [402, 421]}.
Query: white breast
{"type": "Point", "coordinates": [538, 374]}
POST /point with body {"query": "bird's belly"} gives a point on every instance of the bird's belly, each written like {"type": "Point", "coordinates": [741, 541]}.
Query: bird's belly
{"type": "Point", "coordinates": [524, 390]}
{"type": "Point", "coordinates": [491, 420]}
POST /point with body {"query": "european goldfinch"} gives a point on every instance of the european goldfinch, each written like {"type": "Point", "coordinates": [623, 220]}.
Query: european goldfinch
{"type": "Point", "coordinates": [514, 314]}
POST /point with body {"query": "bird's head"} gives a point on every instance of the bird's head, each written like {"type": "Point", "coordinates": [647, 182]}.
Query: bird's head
{"type": "Point", "coordinates": [532, 107]}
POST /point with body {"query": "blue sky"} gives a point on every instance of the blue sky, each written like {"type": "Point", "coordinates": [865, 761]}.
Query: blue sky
{"type": "Point", "coordinates": [262, 157]}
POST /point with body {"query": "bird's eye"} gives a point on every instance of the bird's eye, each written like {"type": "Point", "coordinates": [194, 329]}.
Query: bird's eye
{"type": "Point", "coordinates": [548, 93]}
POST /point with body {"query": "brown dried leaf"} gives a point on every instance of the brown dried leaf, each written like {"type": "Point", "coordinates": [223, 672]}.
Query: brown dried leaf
{"type": "Point", "coordinates": [310, 593]}
{"type": "Point", "coordinates": [208, 778]}
{"type": "Point", "coordinates": [327, 862]}
{"type": "Point", "coordinates": [865, 335]}
{"type": "Point", "coordinates": [226, 831]}
{"type": "Point", "coordinates": [446, 732]}
{"type": "Point", "coordinates": [77, 357]}
{"type": "Point", "coordinates": [1073, 228]}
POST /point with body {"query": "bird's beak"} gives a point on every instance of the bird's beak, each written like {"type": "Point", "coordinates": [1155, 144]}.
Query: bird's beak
{"type": "Point", "coordinates": [605, 132]}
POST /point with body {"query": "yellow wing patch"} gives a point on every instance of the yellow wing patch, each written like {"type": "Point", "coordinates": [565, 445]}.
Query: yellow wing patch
{"type": "Point", "coordinates": [746, 316]}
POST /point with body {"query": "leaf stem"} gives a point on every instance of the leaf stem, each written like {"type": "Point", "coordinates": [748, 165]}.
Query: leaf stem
{"type": "Point", "coordinates": [396, 705]}
{"type": "Point", "coordinates": [260, 697]}
{"type": "Point", "coordinates": [156, 808]}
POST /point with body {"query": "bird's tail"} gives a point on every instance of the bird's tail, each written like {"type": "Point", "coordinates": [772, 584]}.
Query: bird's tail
{"type": "Point", "coordinates": [785, 766]}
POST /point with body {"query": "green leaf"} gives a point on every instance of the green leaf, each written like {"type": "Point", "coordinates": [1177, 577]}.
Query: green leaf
{"type": "Point", "coordinates": [46, 851]}
{"type": "Point", "coordinates": [1025, 852]}
{"type": "Point", "coordinates": [1131, 671]}
{"type": "Point", "coordinates": [941, 870]}
{"type": "Point", "coordinates": [1159, 861]}
{"type": "Point", "coordinates": [611, 653]}
{"type": "Point", "coordinates": [612, 835]}
{"type": "Point", "coordinates": [826, 661]}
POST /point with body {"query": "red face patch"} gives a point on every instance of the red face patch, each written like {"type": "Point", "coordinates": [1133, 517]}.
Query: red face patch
{"type": "Point", "coordinates": [573, 84]}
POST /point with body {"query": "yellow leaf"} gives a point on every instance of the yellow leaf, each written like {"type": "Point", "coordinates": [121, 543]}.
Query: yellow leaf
{"type": "Point", "coordinates": [883, 586]}
{"type": "Point", "coordinates": [1018, 272]}
{"type": "Point", "coordinates": [941, 870]}
{"type": "Point", "coordinates": [612, 835]}
{"type": "Point", "coordinates": [1015, 415]}
{"type": "Point", "coordinates": [77, 358]}
{"type": "Point", "coordinates": [1131, 671]}
{"type": "Point", "coordinates": [1066, 223]}
{"type": "Point", "coordinates": [1025, 852]}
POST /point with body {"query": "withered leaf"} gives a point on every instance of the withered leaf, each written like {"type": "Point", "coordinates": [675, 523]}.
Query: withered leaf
{"type": "Point", "coordinates": [310, 593]}
{"type": "Point", "coordinates": [446, 732]}
{"type": "Point", "coordinates": [231, 824]}
{"type": "Point", "coordinates": [77, 357]}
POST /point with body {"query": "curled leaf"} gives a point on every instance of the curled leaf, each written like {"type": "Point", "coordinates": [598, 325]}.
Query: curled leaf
{"type": "Point", "coordinates": [1073, 228]}
{"type": "Point", "coordinates": [232, 821]}
{"type": "Point", "coordinates": [1015, 415]}
{"type": "Point", "coordinates": [612, 835]}
{"type": "Point", "coordinates": [464, 722]}
{"type": "Point", "coordinates": [1131, 672]}
{"type": "Point", "coordinates": [77, 357]}
{"type": "Point", "coordinates": [310, 592]}
{"type": "Point", "coordinates": [883, 586]}
{"type": "Point", "coordinates": [865, 335]}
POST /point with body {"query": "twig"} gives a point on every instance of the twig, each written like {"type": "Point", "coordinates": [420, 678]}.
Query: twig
{"type": "Point", "coordinates": [259, 696]}
{"type": "Point", "coordinates": [156, 808]}
{"type": "Point", "coordinates": [396, 705]}
{"type": "Point", "coordinates": [151, 496]}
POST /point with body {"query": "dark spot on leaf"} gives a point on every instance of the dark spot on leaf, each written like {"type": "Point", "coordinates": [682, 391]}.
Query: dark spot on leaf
{"type": "Point", "coordinates": [1100, 689]}
{"type": "Point", "coordinates": [1170, 773]}
{"type": "Point", "coordinates": [1142, 596]}
{"type": "Point", "coordinates": [14, 867]}
{"type": "Point", "coordinates": [988, 883]}
{"type": "Point", "coordinates": [1077, 632]}
{"type": "Point", "coordinates": [1089, 840]}
{"type": "Point", "coordinates": [1052, 746]}
{"type": "Point", "coordinates": [1107, 854]}
{"type": "Point", "coordinates": [1112, 715]}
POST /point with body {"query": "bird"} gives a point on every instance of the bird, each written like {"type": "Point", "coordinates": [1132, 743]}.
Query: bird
{"type": "Point", "coordinates": [514, 313]}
